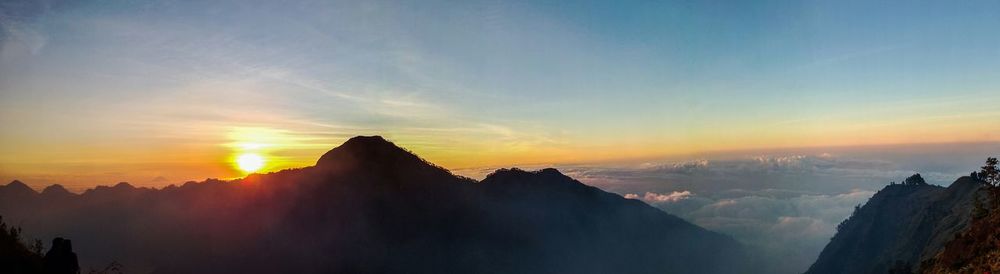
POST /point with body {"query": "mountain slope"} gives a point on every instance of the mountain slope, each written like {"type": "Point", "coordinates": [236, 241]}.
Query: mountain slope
{"type": "Point", "coordinates": [899, 227]}
{"type": "Point", "coordinates": [369, 206]}
{"type": "Point", "coordinates": [974, 251]}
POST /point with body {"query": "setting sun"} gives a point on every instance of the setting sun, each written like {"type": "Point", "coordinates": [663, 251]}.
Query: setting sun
{"type": "Point", "coordinates": [249, 162]}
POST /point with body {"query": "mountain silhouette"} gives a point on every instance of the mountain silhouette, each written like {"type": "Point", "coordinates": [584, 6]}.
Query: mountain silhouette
{"type": "Point", "coordinates": [369, 206]}
{"type": "Point", "coordinates": [899, 227]}
{"type": "Point", "coordinates": [15, 194]}
{"type": "Point", "coordinates": [370, 150]}
{"type": "Point", "coordinates": [16, 189]}
{"type": "Point", "coordinates": [56, 191]}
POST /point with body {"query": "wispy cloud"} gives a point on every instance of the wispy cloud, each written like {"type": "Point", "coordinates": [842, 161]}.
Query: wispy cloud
{"type": "Point", "coordinates": [19, 30]}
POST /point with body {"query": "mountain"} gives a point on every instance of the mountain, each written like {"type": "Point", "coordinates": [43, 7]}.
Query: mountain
{"type": "Point", "coordinates": [899, 227]}
{"type": "Point", "coordinates": [15, 194]}
{"type": "Point", "coordinates": [56, 192]}
{"type": "Point", "coordinates": [975, 250]}
{"type": "Point", "coordinates": [369, 206]}
{"type": "Point", "coordinates": [16, 189]}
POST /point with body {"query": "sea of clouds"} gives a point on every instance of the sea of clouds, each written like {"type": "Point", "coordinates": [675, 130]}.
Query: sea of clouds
{"type": "Point", "coordinates": [786, 204]}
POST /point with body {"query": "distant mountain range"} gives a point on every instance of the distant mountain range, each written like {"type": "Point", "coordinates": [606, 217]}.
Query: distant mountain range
{"type": "Point", "coordinates": [369, 206]}
{"type": "Point", "coordinates": [909, 229]}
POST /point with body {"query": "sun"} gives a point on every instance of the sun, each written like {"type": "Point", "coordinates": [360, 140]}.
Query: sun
{"type": "Point", "coordinates": [249, 162]}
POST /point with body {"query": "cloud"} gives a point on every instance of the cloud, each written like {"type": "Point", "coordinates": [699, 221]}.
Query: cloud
{"type": "Point", "coordinates": [781, 175]}
{"type": "Point", "coordinates": [19, 30]}
{"type": "Point", "coordinates": [788, 229]}
{"type": "Point", "coordinates": [22, 35]}
{"type": "Point", "coordinates": [786, 205]}
{"type": "Point", "coordinates": [655, 198]}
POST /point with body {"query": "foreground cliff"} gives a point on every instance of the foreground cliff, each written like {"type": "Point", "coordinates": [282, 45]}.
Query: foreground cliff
{"type": "Point", "coordinates": [974, 250]}
{"type": "Point", "coordinates": [369, 206]}
{"type": "Point", "coordinates": [898, 228]}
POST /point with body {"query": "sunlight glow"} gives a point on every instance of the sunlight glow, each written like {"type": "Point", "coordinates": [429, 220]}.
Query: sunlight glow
{"type": "Point", "coordinates": [260, 149]}
{"type": "Point", "coordinates": [249, 162]}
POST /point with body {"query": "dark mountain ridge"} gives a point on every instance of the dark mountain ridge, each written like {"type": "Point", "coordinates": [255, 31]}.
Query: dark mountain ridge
{"type": "Point", "coordinates": [898, 228]}
{"type": "Point", "coordinates": [16, 188]}
{"type": "Point", "coordinates": [56, 191]}
{"type": "Point", "coordinates": [369, 206]}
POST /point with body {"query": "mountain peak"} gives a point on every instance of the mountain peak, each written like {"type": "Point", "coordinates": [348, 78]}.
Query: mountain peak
{"type": "Point", "coordinates": [374, 155]}
{"type": "Point", "coordinates": [56, 190]}
{"type": "Point", "coordinates": [546, 172]}
{"type": "Point", "coordinates": [548, 177]}
{"type": "Point", "coordinates": [367, 140]}
{"type": "Point", "coordinates": [18, 184]}
{"type": "Point", "coordinates": [15, 182]}
{"type": "Point", "coordinates": [18, 187]}
{"type": "Point", "coordinates": [964, 183]}
{"type": "Point", "coordinates": [364, 149]}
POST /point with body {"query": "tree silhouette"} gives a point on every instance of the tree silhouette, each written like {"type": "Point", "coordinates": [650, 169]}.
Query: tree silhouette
{"type": "Point", "coordinates": [843, 223]}
{"type": "Point", "coordinates": [15, 256]}
{"type": "Point", "coordinates": [989, 174]}
{"type": "Point", "coordinates": [915, 180]}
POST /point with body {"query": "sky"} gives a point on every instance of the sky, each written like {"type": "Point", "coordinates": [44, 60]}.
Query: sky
{"type": "Point", "coordinates": [158, 92]}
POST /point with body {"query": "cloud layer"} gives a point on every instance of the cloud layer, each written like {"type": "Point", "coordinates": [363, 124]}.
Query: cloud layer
{"type": "Point", "coordinates": [790, 229]}
{"type": "Point", "coordinates": [672, 197]}
{"type": "Point", "coordinates": [787, 205]}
